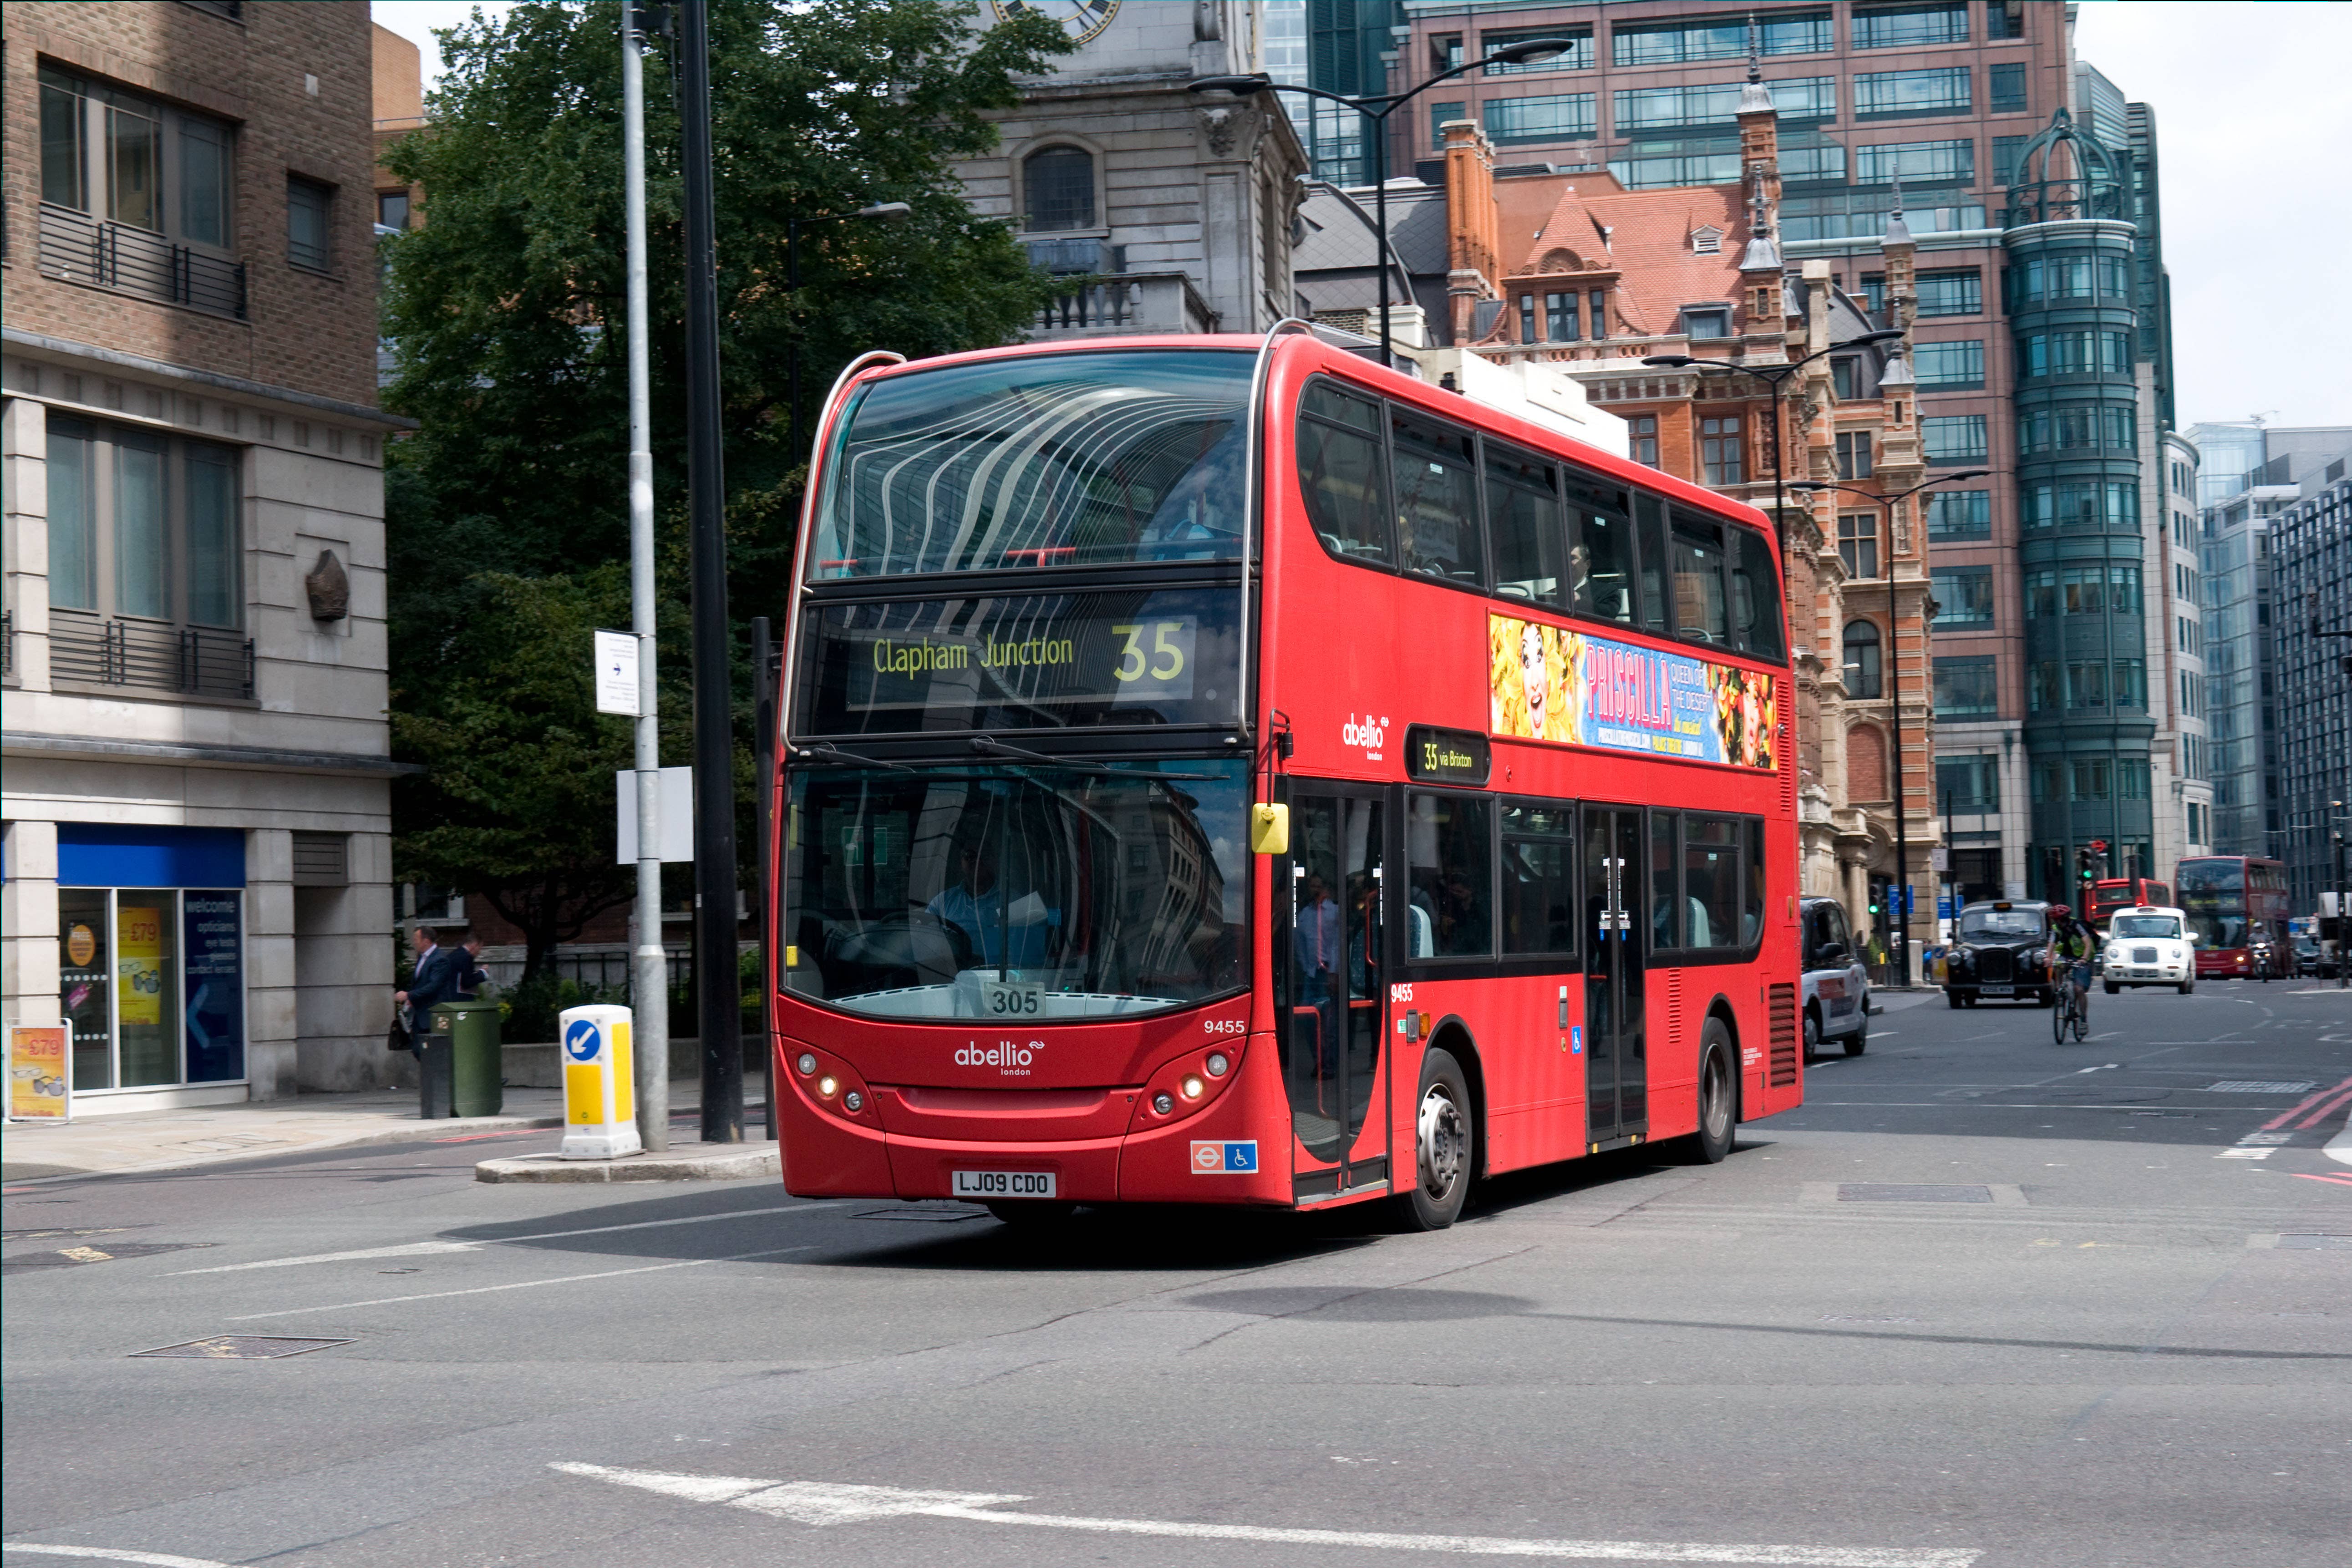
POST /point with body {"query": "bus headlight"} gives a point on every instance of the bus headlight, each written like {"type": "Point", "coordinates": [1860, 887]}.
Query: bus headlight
{"type": "Point", "coordinates": [1217, 1064]}
{"type": "Point", "coordinates": [1191, 1086]}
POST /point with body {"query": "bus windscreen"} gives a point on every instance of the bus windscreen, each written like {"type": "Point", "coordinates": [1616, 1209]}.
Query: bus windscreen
{"type": "Point", "coordinates": [1104, 458]}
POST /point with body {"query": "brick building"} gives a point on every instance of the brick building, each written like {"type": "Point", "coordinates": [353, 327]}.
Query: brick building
{"type": "Point", "coordinates": [196, 792]}
{"type": "Point", "coordinates": [1575, 271]}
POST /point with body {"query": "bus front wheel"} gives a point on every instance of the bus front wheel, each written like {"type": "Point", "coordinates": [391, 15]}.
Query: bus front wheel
{"type": "Point", "coordinates": [1718, 1097]}
{"type": "Point", "coordinates": [1444, 1143]}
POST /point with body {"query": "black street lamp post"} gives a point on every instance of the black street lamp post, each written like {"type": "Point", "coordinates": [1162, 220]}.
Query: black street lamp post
{"type": "Point", "coordinates": [1377, 108]}
{"type": "Point", "coordinates": [1895, 695]}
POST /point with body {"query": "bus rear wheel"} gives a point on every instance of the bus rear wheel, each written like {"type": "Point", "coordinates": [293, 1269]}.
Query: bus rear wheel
{"type": "Point", "coordinates": [1445, 1134]}
{"type": "Point", "coordinates": [1718, 1098]}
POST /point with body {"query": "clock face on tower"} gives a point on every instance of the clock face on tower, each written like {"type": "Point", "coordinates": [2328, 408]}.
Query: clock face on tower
{"type": "Point", "coordinates": [1082, 19]}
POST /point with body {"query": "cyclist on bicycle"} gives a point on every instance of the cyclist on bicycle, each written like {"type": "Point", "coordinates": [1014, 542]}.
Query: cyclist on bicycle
{"type": "Point", "coordinates": [2071, 942]}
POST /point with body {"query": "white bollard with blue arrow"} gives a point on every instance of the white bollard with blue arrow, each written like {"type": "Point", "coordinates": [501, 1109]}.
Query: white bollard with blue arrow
{"type": "Point", "coordinates": [599, 1090]}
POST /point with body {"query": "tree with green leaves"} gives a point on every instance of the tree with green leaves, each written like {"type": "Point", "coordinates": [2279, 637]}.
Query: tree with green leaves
{"type": "Point", "coordinates": [506, 309]}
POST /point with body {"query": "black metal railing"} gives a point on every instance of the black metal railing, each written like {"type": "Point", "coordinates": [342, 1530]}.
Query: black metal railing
{"type": "Point", "coordinates": [84, 250]}
{"type": "Point", "coordinates": [104, 650]}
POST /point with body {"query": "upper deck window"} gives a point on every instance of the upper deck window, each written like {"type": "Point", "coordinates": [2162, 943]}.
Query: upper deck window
{"type": "Point", "coordinates": [1079, 459]}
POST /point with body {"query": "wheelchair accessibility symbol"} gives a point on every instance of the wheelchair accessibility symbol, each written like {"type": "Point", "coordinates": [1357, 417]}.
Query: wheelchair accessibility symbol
{"type": "Point", "coordinates": [1224, 1159]}
{"type": "Point", "coordinates": [582, 1040]}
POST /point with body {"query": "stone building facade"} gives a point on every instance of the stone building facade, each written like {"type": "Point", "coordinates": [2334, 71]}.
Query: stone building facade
{"type": "Point", "coordinates": [196, 785]}
{"type": "Point", "coordinates": [1179, 208]}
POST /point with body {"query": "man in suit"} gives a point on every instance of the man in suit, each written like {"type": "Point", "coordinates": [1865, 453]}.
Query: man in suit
{"type": "Point", "coordinates": [435, 981]}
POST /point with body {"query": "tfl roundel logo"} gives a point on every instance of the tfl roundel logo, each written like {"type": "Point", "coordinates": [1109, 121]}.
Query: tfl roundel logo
{"type": "Point", "coordinates": [1224, 1159]}
{"type": "Point", "coordinates": [582, 1040]}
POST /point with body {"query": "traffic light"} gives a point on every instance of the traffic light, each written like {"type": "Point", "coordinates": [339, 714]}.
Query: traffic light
{"type": "Point", "coordinates": [2083, 870]}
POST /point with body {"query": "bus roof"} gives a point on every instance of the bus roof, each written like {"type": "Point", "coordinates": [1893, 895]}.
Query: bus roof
{"type": "Point", "coordinates": [1323, 356]}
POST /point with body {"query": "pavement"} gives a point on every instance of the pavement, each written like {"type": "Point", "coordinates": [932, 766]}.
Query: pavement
{"type": "Point", "coordinates": [1984, 1301]}
{"type": "Point", "coordinates": [153, 1141]}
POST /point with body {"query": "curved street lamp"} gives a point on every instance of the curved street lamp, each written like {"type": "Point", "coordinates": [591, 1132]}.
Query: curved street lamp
{"type": "Point", "coordinates": [1895, 689]}
{"type": "Point", "coordinates": [1377, 108]}
{"type": "Point", "coordinates": [1773, 374]}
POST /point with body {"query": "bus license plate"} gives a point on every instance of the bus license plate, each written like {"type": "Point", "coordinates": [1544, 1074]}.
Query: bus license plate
{"type": "Point", "coordinates": [1005, 1184]}
{"type": "Point", "coordinates": [1997, 990]}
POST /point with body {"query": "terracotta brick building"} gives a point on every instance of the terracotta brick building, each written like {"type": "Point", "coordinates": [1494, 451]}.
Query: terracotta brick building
{"type": "Point", "coordinates": [1574, 270]}
{"type": "Point", "coordinates": [197, 784]}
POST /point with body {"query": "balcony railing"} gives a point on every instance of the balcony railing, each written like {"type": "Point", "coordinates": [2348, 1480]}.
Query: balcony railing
{"type": "Point", "coordinates": [84, 250]}
{"type": "Point", "coordinates": [1138, 302]}
{"type": "Point", "coordinates": [105, 650]}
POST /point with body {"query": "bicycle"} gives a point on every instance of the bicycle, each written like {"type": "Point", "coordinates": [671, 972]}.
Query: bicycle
{"type": "Point", "coordinates": [2073, 1009]}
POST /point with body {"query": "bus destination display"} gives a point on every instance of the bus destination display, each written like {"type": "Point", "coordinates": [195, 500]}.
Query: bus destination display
{"type": "Point", "coordinates": [1557, 683]}
{"type": "Point", "coordinates": [1446, 756]}
{"type": "Point", "coordinates": [1032, 661]}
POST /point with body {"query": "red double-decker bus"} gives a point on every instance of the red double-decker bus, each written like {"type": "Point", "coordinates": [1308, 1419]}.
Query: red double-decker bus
{"type": "Point", "coordinates": [2109, 894]}
{"type": "Point", "coordinates": [2232, 900]}
{"type": "Point", "coordinates": [1220, 770]}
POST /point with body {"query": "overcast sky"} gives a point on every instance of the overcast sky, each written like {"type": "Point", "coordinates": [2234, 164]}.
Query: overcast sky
{"type": "Point", "coordinates": [2253, 118]}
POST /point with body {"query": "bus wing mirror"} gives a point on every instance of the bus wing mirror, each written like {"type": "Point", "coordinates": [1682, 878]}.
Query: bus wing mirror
{"type": "Point", "coordinates": [1269, 830]}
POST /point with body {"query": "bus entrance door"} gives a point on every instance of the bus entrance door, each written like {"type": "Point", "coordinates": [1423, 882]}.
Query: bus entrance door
{"type": "Point", "coordinates": [1616, 1072]}
{"type": "Point", "coordinates": [1332, 1048]}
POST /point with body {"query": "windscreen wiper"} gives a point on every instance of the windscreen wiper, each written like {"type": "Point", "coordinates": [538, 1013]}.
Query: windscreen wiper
{"type": "Point", "coordinates": [826, 751]}
{"type": "Point", "coordinates": [989, 745]}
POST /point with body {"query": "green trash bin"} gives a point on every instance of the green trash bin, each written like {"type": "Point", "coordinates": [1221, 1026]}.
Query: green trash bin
{"type": "Point", "coordinates": [469, 1032]}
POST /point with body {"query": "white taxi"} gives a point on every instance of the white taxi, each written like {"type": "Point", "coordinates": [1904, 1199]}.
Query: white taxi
{"type": "Point", "coordinates": [2148, 944]}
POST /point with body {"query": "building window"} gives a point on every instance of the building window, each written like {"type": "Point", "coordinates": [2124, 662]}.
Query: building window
{"type": "Point", "coordinates": [1963, 596]}
{"type": "Point", "coordinates": [1862, 668]}
{"type": "Point", "coordinates": [2082, 590]}
{"type": "Point", "coordinates": [1959, 514]}
{"type": "Point", "coordinates": [1559, 317]}
{"type": "Point", "coordinates": [1710, 322]}
{"type": "Point", "coordinates": [1713, 104]}
{"type": "Point", "coordinates": [1911, 26]}
{"type": "Point", "coordinates": [1577, 57]}
{"type": "Point", "coordinates": [392, 209]}
{"type": "Point", "coordinates": [1853, 454]}
{"type": "Point", "coordinates": [2122, 590]}
{"type": "Point", "coordinates": [1642, 431]}
{"type": "Point", "coordinates": [1966, 688]}
{"type": "Point", "coordinates": [2006, 86]}
{"type": "Point", "coordinates": [2086, 684]}
{"type": "Point", "coordinates": [2004, 19]}
{"type": "Point", "coordinates": [111, 153]}
{"type": "Point", "coordinates": [2092, 780]}
{"type": "Point", "coordinates": [1651, 165]}
{"type": "Point", "coordinates": [1057, 186]}
{"type": "Point", "coordinates": [1511, 121]}
{"type": "Point", "coordinates": [1720, 452]}
{"type": "Point", "coordinates": [1687, 39]}
{"type": "Point", "coordinates": [2043, 688]}
{"type": "Point", "coordinates": [1949, 366]}
{"type": "Point", "coordinates": [1527, 333]}
{"type": "Point", "coordinates": [1953, 437]}
{"type": "Point", "coordinates": [143, 525]}
{"type": "Point", "coordinates": [1890, 95]}
{"type": "Point", "coordinates": [1842, 383]}
{"type": "Point", "coordinates": [2041, 593]}
{"type": "Point", "coordinates": [2131, 684]}
{"type": "Point", "coordinates": [1442, 113]}
{"type": "Point", "coordinates": [1924, 163]}
{"type": "Point", "coordinates": [1969, 784]}
{"type": "Point", "coordinates": [2005, 149]}
{"type": "Point", "coordinates": [1858, 543]}
{"type": "Point", "coordinates": [1873, 293]}
{"type": "Point", "coordinates": [1958, 292]}
{"type": "Point", "coordinates": [310, 221]}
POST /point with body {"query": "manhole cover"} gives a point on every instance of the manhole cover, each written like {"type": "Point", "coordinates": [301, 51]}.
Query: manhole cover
{"type": "Point", "coordinates": [2317, 1243]}
{"type": "Point", "coordinates": [1902, 1193]}
{"type": "Point", "coordinates": [936, 1215]}
{"type": "Point", "coordinates": [2248, 1086]}
{"type": "Point", "coordinates": [68, 1257]}
{"type": "Point", "coordinates": [242, 1347]}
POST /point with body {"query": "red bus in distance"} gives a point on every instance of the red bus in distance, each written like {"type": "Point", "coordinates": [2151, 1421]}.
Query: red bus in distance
{"type": "Point", "coordinates": [1218, 770]}
{"type": "Point", "coordinates": [2230, 900]}
{"type": "Point", "coordinates": [2109, 894]}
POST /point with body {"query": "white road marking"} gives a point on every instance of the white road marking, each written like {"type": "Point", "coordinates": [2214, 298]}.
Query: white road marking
{"type": "Point", "coordinates": [828, 1502]}
{"type": "Point", "coordinates": [518, 1285]}
{"type": "Point", "coordinates": [116, 1554]}
{"type": "Point", "coordinates": [2245, 1153]}
{"type": "Point", "coordinates": [419, 1248]}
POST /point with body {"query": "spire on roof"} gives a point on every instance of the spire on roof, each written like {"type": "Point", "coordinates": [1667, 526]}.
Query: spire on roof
{"type": "Point", "coordinates": [1753, 98]}
{"type": "Point", "coordinates": [1763, 255]}
{"type": "Point", "coordinates": [1897, 231]}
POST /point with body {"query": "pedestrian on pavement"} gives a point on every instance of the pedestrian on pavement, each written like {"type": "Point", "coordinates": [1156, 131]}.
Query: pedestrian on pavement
{"type": "Point", "coordinates": [434, 981]}
{"type": "Point", "coordinates": [471, 975]}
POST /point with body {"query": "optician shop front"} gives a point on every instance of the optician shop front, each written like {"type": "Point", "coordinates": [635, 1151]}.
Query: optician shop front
{"type": "Point", "coordinates": [151, 960]}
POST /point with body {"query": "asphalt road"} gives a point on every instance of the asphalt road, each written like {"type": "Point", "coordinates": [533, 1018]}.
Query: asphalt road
{"type": "Point", "coordinates": [1985, 1302]}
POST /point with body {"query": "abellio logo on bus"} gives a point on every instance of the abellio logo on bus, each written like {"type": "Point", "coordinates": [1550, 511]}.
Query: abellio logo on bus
{"type": "Point", "coordinates": [1009, 1058]}
{"type": "Point", "coordinates": [1368, 732]}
